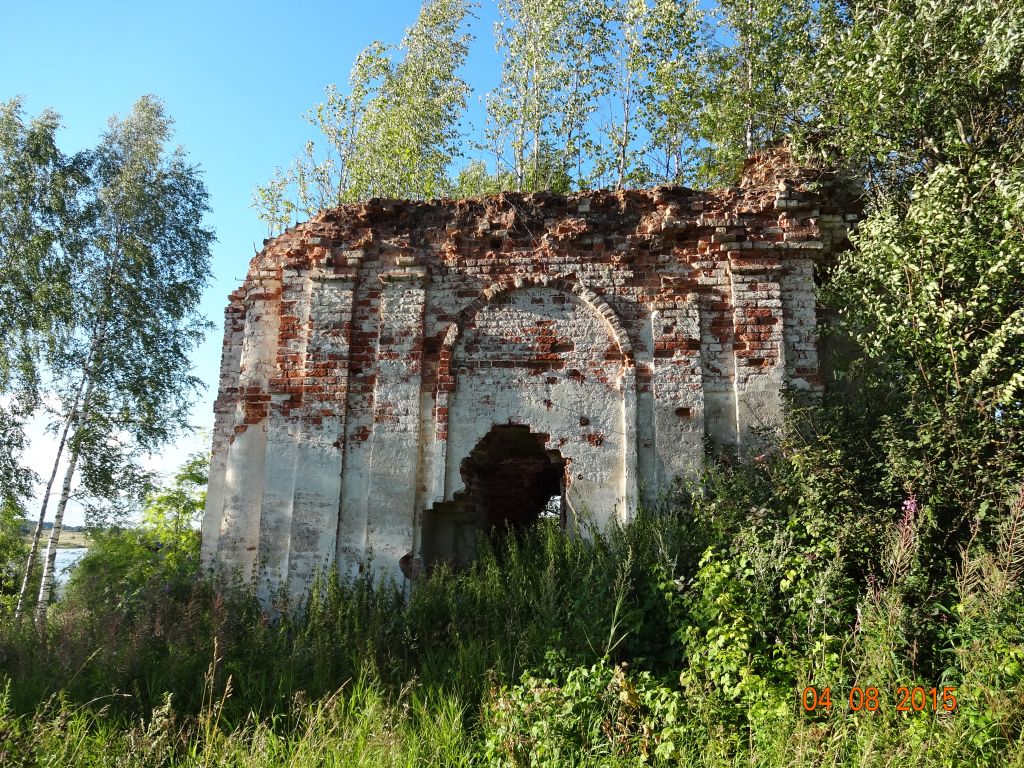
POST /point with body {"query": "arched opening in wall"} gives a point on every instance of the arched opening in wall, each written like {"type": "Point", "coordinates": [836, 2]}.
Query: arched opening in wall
{"type": "Point", "coordinates": [511, 481]}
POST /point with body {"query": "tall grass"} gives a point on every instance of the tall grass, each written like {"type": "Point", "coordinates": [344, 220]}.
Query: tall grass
{"type": "Point", "coordinates": [685, 638]}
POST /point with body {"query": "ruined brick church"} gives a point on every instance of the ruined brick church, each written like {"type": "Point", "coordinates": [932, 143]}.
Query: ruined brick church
{"type": "Point", "coordinates": [400, 377]}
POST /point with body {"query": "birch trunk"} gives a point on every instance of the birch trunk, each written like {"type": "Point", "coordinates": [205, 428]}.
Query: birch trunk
{"type": "Point", "coordinates": [50, 560]}
{"type": "Point", "coordinates": [33, 552]}
{"type": "Point", "coordinates": [84, 387]}
{"type": "Point", "coordinates": [46, 584]}
{"type": "Point", "coordinates": [627, 103]}
{"type": "Point", "coordinates": [749, 45]}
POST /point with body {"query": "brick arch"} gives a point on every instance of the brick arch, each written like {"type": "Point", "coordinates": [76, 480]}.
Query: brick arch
{"type": "Point", "coordinates": [441, 484]}
{"type": "Point", "coordinates": [596, 303]}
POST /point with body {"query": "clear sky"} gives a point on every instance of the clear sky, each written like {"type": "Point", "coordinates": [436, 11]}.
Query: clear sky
{"type": "Point", "coordinates": [236, 77]}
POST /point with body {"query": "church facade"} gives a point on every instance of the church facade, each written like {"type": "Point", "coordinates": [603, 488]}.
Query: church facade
{"type": "Point", "coordinates": [400, 377]}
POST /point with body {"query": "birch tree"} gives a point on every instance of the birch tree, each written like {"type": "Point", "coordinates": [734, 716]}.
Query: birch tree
{"type": "Point", "coordinates": [610, 86]}
{"type": "Point", "coordinates": [40, 242]}
{"type": "Point", "coordinates": [540, 110]}
{"type": "Point", "coordinates": [618, 68]}
{"type": "Point", "coordinates": [645, 61]}
{"type": "Point", "coordinates": [675, 47]}
{"type": "Point", "coordinates": [123, 379]}
{"type": "Point", "coordinates": [410, 132]}
{"type": "Point", "coordinates": [758, 71]}
{"type": "Point", "coordinates": [38, 194]}
{"type": "Point", "coordinates": [394, 133]}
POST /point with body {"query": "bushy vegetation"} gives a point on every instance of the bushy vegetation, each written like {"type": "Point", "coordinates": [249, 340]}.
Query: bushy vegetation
{"type": "Point", "coordinates": [12, 553]}
{"type": "Point", "coordinates": [686, 637]}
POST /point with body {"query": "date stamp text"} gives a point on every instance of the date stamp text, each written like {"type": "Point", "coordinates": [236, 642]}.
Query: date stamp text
{"type": "Point", "coordinates": [870, 699]}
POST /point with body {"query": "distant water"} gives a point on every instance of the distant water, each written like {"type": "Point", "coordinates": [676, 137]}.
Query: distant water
{"type": "Point", "coordinates": [65, 559]}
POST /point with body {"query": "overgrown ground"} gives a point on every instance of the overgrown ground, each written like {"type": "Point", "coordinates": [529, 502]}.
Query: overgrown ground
{"type": "Point", "coordinates": [686, 638]}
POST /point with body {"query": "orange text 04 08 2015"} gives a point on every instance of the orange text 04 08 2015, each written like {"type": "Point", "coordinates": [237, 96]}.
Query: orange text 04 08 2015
{"type": "Point", "coordinates": [870, 699]}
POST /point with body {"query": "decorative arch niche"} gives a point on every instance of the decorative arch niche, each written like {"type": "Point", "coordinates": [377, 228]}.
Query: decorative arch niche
{"type": "Point", "coordinates": [552, 357]}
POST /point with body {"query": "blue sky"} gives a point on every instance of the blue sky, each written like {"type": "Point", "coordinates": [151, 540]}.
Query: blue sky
{"type": "Point", "coordinates": [236, 77]}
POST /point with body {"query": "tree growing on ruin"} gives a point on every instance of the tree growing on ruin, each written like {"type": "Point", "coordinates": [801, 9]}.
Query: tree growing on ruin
{"type": "Point", "coordinates": [758, 79]}
{"type": "Point", "coordinates": [537, 117]}
{"type": "Point", "coordinates": [594, 93]}
{"type": "Point", "coordinates": [646, 66]}
{"type": "Point", "coordinates": [120, 376]}
{"type": "Point", "coordinates": [394, 133]}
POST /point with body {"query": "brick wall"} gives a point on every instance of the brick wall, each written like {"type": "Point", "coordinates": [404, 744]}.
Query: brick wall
{"type": "Point", "coordinates": [372, 349]}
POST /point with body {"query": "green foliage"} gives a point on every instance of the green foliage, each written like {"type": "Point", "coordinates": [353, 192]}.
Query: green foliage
{"type": "Point", "coordinates": [613, 93]}
{"type": "Point", "coordinates": [38, 245]}
{"type": "Point", "coordinates": [125, 566]}
{"type": "Point", "coordinates": [933, 296]}
{"type": "Point", "coordinates": [172, 513]}
{"type": "Point", "coordinates": [595, 715]}
{"type": "Point", "coordinates": [121, 377]}
{"type": "Point", "coordinates": [38, 211]}
{"type": "Point", "coordinates": [757, 79]}
{"type": "Point", "coordinates": [475, 181]}
{"type": "Point", "coordinates": [541, 95]}
{"type": "Point", "coordinates": [906, 87]}
{"type": "Point", "coordinates": [119, 568]}
{"type": "Point", "coordinates": [643, 83]}
{"type": "Point", "coordinates": [608, 86]}
{"type": "Point", "coordinates": [12, 553]}
{"type": "Point", "coordinates": [409, 131]}
{"type": "Point", "coordinates": [15, 477]}
{"type": "Point", "coordinates": [394, 134]}
{"type": "Point", "coordinates": [137, 290]}
{"type": "Point", "coordinates": [791, 541]}
{"type": "Point", "coordinates": [672, 50]}
{"type": "Point", "coordinates": [637, 92]}
{"type": "Point", "coordinates": [684, 638]}
{"type": "Point", "coordinates": [878, 540]}
{"type": "Point", "coordinates": [358, 725]}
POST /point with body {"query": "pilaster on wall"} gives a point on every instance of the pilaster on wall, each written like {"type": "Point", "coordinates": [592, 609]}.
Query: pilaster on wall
{"type": "Point", "coordinates": [630, 460]}
{"type": "Point", "coordinates": [811, 229]}
{"type": "Point", "coordinates": [800, 324]}
{"type": "Point", "coordinates": [678, 386]}
{"type": "Point", "coordinates": [646, 456]}
{"type": "Point", "coordinates": [355, 480]}
{"type": "Point", "coordinates": [313, 528]}
{"type": "Point", "coordinates": [395, 435]}
{"type": "Point", "coordinates": [717, 352]}
{"type": "Point", "coordinates": [283, 433]}
{"type": "Point", "coordinates": [759, 356]}
{"type": "Point", "coordinates": [243, 474]}
{"type": "Point", "coordinates": [223, 426]}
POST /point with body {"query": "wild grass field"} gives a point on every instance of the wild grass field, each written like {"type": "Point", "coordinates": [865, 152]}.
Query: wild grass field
{"type": "Point", "coordinates": [685, 638]}
{"type": "Point", "coordinates": [69, 540]}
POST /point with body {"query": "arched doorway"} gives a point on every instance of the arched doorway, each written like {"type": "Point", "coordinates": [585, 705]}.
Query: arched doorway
{"type": "Point", "coordinates": [510, 481]}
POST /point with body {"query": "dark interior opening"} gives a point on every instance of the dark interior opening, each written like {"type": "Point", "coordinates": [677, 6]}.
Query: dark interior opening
{"type": "Point", "coordinates": [511, 481]}
{"type": "Point", "coordinates": [510, 477]}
